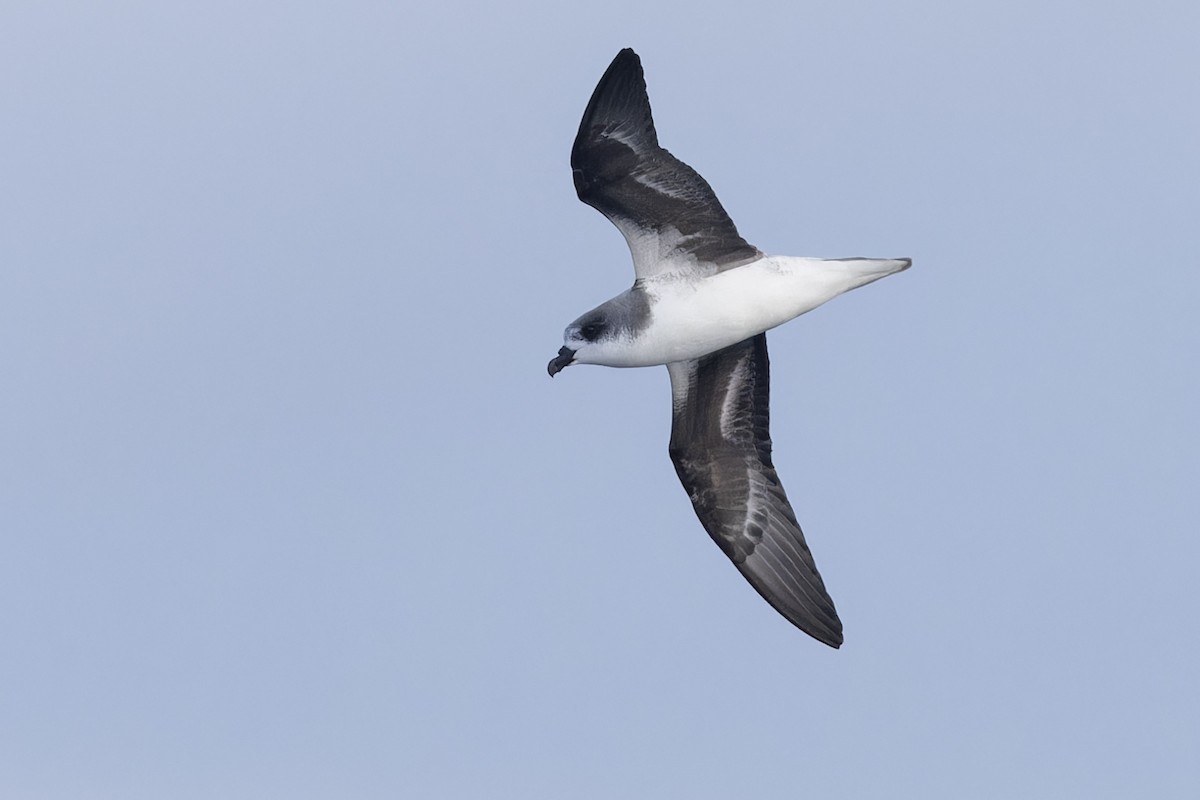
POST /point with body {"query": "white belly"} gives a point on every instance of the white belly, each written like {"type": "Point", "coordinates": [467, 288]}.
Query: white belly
{"type": "Point", "coordinates": [692, 318]}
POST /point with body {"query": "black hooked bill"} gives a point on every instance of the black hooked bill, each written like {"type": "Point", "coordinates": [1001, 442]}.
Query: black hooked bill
{"type": "Point", "coordinates": [564, 358]}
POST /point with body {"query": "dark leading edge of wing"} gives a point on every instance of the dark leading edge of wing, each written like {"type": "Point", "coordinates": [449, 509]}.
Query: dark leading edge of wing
{"type": "Point", "coordinates": [721, 447]}
{"type": "Point", "coordinates": [620, 170]}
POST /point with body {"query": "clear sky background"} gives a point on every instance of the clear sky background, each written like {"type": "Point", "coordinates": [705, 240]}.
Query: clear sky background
{"type": "Point", "coordinates": [290, 508]}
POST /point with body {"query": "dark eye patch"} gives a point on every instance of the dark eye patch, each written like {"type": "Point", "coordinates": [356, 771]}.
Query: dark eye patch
{"type": "Point", "coordinates": [591, 330]}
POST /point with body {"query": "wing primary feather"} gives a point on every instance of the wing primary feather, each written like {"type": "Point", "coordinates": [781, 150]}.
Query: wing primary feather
{"type": "Point", "coordinates": [721, 448]}
{"type": "Point", "coordinates": [666, 211]}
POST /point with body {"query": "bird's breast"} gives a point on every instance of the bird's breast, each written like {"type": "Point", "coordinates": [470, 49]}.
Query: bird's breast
{"type": "Point", "coordinates": [692, 317]}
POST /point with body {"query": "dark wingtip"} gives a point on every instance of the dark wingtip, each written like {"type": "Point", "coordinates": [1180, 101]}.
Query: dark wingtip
{"type": "Point", "coordinates": [619, 99]}
{"type": "Point", "coordinates": [825, 627]}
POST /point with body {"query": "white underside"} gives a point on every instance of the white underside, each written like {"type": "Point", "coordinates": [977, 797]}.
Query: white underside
{"type": "Point", "coordinates": [692, 317]}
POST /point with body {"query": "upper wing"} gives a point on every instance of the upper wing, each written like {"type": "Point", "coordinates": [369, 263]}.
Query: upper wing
{"type": "Point", "coordinates": [666, 211]}
{"type": "Point", "coordinates": [721, 447]}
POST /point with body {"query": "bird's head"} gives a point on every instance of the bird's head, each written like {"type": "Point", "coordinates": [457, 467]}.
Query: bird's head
{"type": "Point", "coordinates": [591, 339]}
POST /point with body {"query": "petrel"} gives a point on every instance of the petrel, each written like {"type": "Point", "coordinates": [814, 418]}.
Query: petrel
{"type": "Point", "coordinates": [701, 303]}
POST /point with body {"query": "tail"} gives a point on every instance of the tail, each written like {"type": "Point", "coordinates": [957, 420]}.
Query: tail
{"type": "Point", "coordinates": [861, 271]}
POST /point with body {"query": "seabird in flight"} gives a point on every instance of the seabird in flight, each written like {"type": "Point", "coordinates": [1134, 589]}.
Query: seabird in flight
{"type": "Point", "coordinates": [701, 303]}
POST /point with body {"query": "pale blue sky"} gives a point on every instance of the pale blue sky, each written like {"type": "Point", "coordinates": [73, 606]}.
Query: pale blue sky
{"type": "Point", "coordinates": [291, 509]}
